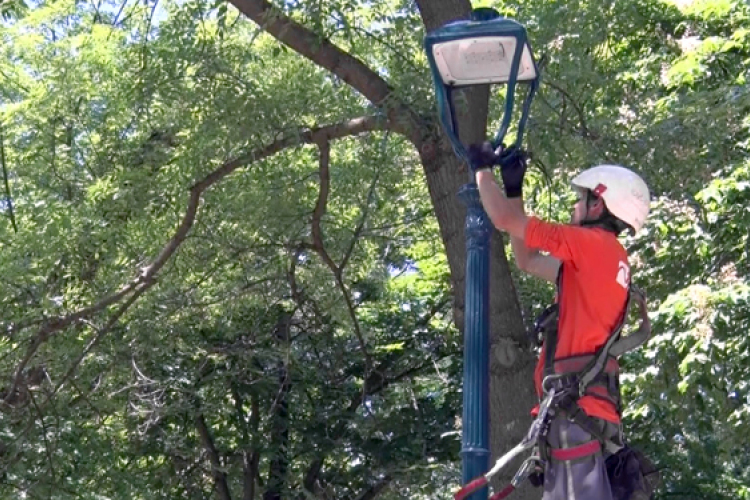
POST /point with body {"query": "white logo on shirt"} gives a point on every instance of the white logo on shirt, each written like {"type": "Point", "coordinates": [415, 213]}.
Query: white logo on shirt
{"type": "Point", "coordinates": [623, 274]}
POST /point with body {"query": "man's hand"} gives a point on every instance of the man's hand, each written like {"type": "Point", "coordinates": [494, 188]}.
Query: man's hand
{"type": "Point", "coordinates": [482, 156]}
{"type": "Point", "coordinates": [512, 163]}
{"type": "Point", "coordinates": [513, 168]}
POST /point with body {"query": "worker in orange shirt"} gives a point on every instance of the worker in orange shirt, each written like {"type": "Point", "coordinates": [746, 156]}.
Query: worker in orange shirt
{"type": "Point", "coordinates": [590, 267]}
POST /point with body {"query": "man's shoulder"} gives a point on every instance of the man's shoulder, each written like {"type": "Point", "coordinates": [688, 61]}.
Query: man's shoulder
{"type": "Point", "coordinates": [584, 232]}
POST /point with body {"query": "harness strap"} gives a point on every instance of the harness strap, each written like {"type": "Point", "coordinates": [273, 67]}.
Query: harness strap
{"type": "Point", "coordinates": [580, 451]}
{"type": "Point", "coordinates": [640, 336]}
{"type": "Point", "coordinates": [597, 364]}
{"type": "Point", "coordinates": [604, 385]}
{"type": "Point", "coordinates": [550, 335]}
{"type": "Point", "coordinates": [601, 361]}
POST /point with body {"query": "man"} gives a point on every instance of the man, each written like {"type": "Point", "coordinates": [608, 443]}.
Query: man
{"type": "Point", "coordinates": [591, 270]}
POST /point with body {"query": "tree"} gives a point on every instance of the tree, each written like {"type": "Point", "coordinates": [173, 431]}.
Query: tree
{"type": "Point", "coordinates": [445, 176]}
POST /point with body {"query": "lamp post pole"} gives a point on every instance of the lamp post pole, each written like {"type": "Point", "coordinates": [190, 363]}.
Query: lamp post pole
{"type": "Point", "coordinates": [486, 49]}
{"type": "Point", "coordinates": [475, 438]}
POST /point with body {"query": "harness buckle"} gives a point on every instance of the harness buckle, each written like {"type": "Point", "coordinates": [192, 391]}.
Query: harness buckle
{"type": "Point", "coordinates": [564, 385]}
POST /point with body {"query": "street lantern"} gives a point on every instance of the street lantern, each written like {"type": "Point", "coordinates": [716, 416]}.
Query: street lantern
{"type": "Point", "coordinates": [487, 49]}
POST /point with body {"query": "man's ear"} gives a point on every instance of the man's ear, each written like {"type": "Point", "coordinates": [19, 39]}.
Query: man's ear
{"type": "Point", "coordinates": [596, 207]}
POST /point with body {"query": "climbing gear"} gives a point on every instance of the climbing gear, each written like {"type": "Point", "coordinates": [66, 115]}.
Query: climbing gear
{"type": "Point", "coordinates": [624, 192]}
{"type": "Point", "coordinates": [487, 49]}
{"type": "Point", "coordinates": [537, 429]}
{"type": "Point", "coordinates": [527, 468]}
{"type": "Point", "coordinates": [594, 374]}
{"type": "Point", "coordinates": [547, 319]}
{"type": "Point", "coordinates": [565, 382]}
{"type": "Point", "coordinates": [577, 471]}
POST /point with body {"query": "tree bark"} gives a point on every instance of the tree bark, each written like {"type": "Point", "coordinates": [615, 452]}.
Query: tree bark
{"type": "Point", "coordinates": [220, 478]}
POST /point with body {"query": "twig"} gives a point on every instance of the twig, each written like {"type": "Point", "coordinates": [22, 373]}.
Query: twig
{"type": "Point", "coordinates": [119, 13]}
{"type": "Point", "coordinates": [579, 111]}
{"type": "Point", "coordinates": [44, 432]}
{"type": "Point", "coordinates": [362, 221]}
{"type": "Point", "coordinates": [98, 338]}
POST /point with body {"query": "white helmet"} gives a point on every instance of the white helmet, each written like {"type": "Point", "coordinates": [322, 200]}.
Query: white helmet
{"type": "Point", "coordinates": [625, 194]}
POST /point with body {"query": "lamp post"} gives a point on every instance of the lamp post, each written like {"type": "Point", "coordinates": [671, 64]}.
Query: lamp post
{"type": "Point", "coordinates": [487, 49]}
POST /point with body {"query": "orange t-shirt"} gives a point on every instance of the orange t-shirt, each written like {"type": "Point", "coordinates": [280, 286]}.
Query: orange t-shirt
{"type": "Point", "coordinates": [592, 295]}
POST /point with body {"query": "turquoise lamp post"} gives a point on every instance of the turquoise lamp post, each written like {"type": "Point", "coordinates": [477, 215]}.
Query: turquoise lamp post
{"type": "Point", "coordinates": [487, 49]}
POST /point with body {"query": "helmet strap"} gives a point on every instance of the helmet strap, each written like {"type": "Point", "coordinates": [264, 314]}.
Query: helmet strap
{"type": "Point", "coordinates": [605, 221]}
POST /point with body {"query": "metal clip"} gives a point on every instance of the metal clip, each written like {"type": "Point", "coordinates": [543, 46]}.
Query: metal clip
{"type": "Point", "coordinates": [540, 423]}
{"type": "Point", "coordinates": [525, 470]}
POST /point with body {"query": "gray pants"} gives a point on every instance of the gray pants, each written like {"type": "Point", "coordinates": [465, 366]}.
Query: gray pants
{"type": "Point", "coordinates": [583, 478]}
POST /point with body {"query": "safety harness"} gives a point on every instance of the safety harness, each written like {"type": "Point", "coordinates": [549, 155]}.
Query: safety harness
{"type": "Point", "coordinates": [565, 381]}
{"type": "Point", "coordinates": [596, 375]}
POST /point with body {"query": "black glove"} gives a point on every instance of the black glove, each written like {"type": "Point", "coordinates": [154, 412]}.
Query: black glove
{"type": "Point", "coordinates": [482, 156]}
{"type": "Point", "coordinates": [512, 163]}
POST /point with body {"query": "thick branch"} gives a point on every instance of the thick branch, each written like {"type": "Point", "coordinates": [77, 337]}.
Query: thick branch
{"type": "Point", "coordinates": [312, 474]}
{"type": "Point", "coordinates": [435, 14]}
{"type": "Point", "coordinates": [321, 206]}
{"type": "Point", "coordinates": [145, 280]}
{"type": "Point", "coordinates": [220, 479]}
{"type": "Point", "coordinates": [279, 422]}
{"type": "Point", "coordinates": [327, 55]}
{"type": "Point", "coordinates": [319, 50]}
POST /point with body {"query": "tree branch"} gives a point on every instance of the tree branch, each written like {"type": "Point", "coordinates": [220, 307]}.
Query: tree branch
{"type": "Point", "coordinates": [44, 434]}
{"type": "Point", "coordinates": [253, 471]}
{"type": "Point", "coordinates": [361, 224]}
{"type": "Point", "coordinates": [8, 197]}
{"type": "Point", "coordinates": [318, 245]}
{"type": "Point", "coordinates": [220, 478]}
{"type": "Point", "coordinates": [373, 491]}
{"type": "Point", "coordinates": [328, 56]}
{"type": "Point", "coordinates": [97, 339]}
{"type": "Point", "coordinates": [321, 206]}
{"type": "Point", "coordinates": [145, 279]}
{"type": "Point", "coordinates": [585, 131]}
{"type": "Point", "coordinates": [317, 49]}
{"type": "Point", "coordinates": [312, 474]}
